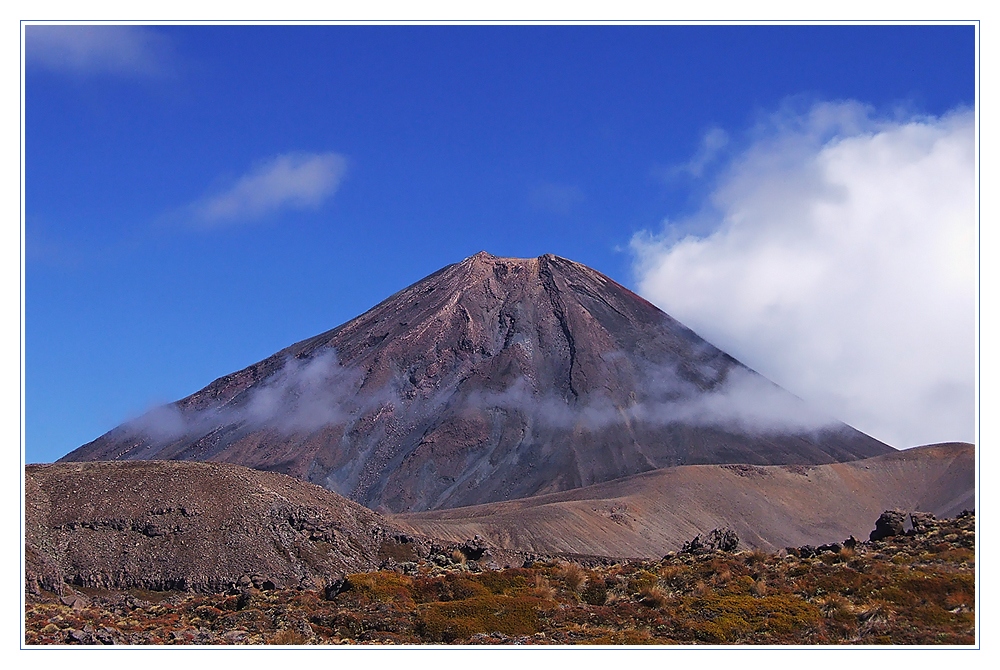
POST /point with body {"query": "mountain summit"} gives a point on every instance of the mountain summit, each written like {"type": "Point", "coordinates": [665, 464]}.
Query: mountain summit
{"type": "Point", "coordinates": [491, 379]}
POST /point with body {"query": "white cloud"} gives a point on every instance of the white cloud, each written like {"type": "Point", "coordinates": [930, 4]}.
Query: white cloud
{"type": "Point", "coordinates": [841, 264]}
{"type": "Point", "coordinates": [742, 402]}
{"type": "Point", "coordinates": [295, 180]}
{"type": "Point", "coordinates": [96, 49]}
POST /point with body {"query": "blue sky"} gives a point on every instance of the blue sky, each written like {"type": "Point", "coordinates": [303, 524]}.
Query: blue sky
{"type": "Point", "coordinates": [198, 197]}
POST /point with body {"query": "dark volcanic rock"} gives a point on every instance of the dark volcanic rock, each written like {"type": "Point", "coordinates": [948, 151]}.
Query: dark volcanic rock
{"type": "Point", "coordinates": [719, 539]}
{"type": "Point", "coordinates": [889, 523]}
{"type": "Point", "coordinates": [492, 379]}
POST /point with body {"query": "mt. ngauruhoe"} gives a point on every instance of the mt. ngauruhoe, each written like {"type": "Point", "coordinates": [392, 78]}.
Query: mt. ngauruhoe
{"type": "Point", "coordinates": [491, 379]}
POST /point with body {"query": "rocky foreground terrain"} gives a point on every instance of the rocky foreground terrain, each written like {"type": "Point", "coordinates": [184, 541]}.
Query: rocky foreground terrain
{"type": "Point", "coordinates": [911, 586]}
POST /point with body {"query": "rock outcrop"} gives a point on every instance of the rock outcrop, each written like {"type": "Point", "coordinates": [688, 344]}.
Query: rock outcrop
{"type": "Point", "coordinates": [889, 523]}
{"type": "Point", "coordinates": [718, 539]}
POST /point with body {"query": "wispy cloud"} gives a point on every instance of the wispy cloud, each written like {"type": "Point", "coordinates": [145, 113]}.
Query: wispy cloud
{"type": "Point", "coordinates": [301, 397]}
{"type": "Point", "coordinates": [836, 255]}
{"type": "Point", "coordinates": [308, 395]}
{"type": "Point", "coordinates": [709, 151]}
{"type": "Point", "coordinates": [288, 181]}
{"type": "Point", "coordinates": [712, 143]}
{"type": "Point", "coordinates": [742, 401]}
{"type": "Point", "coordinates": [94, 49]}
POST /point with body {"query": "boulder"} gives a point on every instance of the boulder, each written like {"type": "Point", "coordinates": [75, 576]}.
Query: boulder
{"type": "Point", "coordinates": [890, 523]}
{"type": "Point", "coordinates": [723, 539]}
{"type": "Point", "coordinates": [719, 539]}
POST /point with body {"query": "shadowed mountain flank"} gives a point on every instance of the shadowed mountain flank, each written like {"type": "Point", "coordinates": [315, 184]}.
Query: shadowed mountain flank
{"type": "Point", "coordinates": [769, 507]}
{"type": "Point", "coordinates": [492, 379]}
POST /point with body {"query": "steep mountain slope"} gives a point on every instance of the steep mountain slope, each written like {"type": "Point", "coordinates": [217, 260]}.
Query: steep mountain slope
{"type": "Point", "coordinates": [491, 379]}
{"type": "Point", "coordinates": [769, 507]}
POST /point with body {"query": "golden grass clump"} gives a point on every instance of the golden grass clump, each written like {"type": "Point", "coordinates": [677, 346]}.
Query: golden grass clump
{"type": "Point", "coordinates": [721, 577]}
{"type": "Point", "coordinates": [573, 576]}
{"type": "Point", "coordinates": [654, 596]}
{"type": "Point", "coordinates": [542, 589]}
{"type": "Point", "coordinates": [668, 573]}
{"type": "Point", "coordinates": [614, 595]}
{"type": "Point", "coordinates": [835, 606]}
{"type": "Point", "coordinates": [876, 621]}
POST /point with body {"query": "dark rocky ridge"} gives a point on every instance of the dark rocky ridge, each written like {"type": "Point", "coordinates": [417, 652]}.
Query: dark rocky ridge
{"type": "Point", "coordinates": [491, 379]}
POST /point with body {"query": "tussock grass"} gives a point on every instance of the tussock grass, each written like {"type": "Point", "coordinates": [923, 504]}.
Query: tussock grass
{"type": "Point", "coordinates": [573, 576]}
{"type": "Point", "coordinates": [864, 597]}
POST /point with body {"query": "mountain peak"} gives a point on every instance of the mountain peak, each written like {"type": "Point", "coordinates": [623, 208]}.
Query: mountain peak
{"type": "Point", "coordinates": [490, 379]}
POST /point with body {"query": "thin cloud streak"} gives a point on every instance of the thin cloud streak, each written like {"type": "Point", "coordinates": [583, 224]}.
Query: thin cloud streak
{"type": "Point", "coordinates": [840, 262]}
{"type": "Point", "coordinates": [709, 153]}
{"type": "Point", "coordinates": [288, 181]}
{"type": "Point", "coordinates": [86, 50]}
{"type": "Point", "coordinates": [712, 143]}
{"type": "Point", "coordinates": [308, 395]}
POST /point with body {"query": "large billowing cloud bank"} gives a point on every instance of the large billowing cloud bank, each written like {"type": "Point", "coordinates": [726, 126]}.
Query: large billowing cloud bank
{"type": "Point", "coordinates": [836, 254]}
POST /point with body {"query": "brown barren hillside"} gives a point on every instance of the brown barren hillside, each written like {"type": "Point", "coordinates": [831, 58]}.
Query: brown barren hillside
{"type": "Point", "coordinates": [769, 507]}
{"type": "Point", "coordinates": [190, 526]}
{"type": "Point", "coordinates": [492, 379]}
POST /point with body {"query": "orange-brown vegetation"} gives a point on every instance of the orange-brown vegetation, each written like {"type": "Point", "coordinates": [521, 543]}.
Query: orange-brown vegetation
{"type": "Point", "coordinates": [917, 589]}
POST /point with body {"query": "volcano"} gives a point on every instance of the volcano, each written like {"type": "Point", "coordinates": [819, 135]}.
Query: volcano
{"type": "Point", "coordinates": [492, 379]}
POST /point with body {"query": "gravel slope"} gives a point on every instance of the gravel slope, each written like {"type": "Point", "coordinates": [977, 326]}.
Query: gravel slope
{"type": "Point", "coordinates": [770, 507]}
